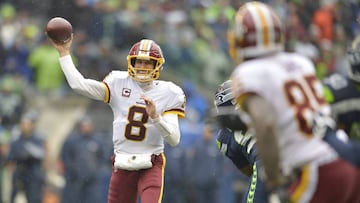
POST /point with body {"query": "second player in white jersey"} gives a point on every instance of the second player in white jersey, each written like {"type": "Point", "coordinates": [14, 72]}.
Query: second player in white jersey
{"type": "Point", "coordinates": [284, 100]}
{"type": "Point", "coordinates": [296, 94]}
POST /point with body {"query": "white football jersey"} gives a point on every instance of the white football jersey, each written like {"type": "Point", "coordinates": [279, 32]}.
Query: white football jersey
{"type": "Point", "coordinates": [133, 132]}
{"type": "Point", "coordinates": [288, 82]}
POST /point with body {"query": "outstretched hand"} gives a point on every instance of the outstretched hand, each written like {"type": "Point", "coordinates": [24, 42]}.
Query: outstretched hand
{"type": "Point", "coordinates": [63, 48]}
{"type": "Point", "coordinates": [150, 107]}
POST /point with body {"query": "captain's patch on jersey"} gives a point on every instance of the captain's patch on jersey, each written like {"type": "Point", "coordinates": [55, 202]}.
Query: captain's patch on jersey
{"type": "Point", "coordinates": [126, 92]}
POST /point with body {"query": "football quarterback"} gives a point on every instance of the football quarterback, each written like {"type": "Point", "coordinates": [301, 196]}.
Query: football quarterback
{"type": "Point", "coordinates": [145, 112]}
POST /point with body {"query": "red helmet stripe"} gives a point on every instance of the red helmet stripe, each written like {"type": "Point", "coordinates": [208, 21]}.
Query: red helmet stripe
{"type": "Point", "coordinates": [257, 14]}
{"type": "Point", "coordinates": [272, 24]}
{"type": "Point", "coordinates": [260, 18]}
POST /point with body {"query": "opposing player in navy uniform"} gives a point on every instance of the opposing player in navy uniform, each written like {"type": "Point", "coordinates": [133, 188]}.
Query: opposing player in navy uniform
{"type": "Point", "coordinates": [343, 93]}
{"type": "Point", "coordinates": [237, 143]}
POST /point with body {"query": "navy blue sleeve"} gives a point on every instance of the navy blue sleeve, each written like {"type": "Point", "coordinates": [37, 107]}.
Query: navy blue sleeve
{"type": "Point", "coordinates": [238, 148]}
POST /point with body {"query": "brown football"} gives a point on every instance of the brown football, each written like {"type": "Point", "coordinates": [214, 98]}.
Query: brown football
{"type": "Point", "coordinates": [59, 29]}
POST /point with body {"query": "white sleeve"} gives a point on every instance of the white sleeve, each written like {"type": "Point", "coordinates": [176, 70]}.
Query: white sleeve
{"type": "Point", "coordinates": [88, 87]}
{"type": "Point", "coordinates": [168, 125]}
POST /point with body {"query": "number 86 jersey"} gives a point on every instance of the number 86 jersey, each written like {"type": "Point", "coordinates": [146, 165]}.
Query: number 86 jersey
{"type": "Point", "coordinates": [288, 82]}
{"type": "Point", "coordinates": [133, 132]}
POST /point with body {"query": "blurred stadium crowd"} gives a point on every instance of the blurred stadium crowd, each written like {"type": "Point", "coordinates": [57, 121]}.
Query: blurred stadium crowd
{"type": "Point", "coordinates": [192, 34]}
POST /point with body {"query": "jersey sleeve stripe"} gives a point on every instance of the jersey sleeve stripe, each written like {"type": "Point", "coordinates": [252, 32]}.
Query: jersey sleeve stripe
{"type": "Point", "coordinates": [306, 185]}
{"type": "Point", "coordinates": [107, 93]}
{"type": "Point", "coordinates": [240, 100]}
{"type": "Point", "coordinates": [179, 112]}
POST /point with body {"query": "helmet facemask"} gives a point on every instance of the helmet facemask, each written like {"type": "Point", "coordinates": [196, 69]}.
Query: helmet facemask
{"type": "Point", "coordinates": [144, 74]}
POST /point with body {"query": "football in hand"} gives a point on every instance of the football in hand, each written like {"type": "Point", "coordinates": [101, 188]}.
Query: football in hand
{"type": "Point", "coordinates": [59, 30]}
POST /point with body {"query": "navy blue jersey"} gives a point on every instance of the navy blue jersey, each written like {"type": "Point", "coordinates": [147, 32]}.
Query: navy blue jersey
{"type": "Point", "coordinates": [240, 149]}
{"type": "Point", "coordinates": [237, 146]}
{"type": "Point", "coordinates": [344, 96]}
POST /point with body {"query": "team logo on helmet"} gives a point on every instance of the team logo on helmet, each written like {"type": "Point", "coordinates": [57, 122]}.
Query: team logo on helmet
{"type": "Point", "coordinates": [223, 96]}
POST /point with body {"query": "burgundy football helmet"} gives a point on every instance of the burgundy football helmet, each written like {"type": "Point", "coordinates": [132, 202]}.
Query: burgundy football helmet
{"type": "Point", "coordinates": [145, 49]}
{"type": "Point", "coordinates": [256, 31]}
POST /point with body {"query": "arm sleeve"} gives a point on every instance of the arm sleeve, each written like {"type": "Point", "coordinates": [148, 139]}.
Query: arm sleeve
{"type": "Point", "coordinates": [168, 125]}
{"type": "Point", "coordinates": [87, 87]}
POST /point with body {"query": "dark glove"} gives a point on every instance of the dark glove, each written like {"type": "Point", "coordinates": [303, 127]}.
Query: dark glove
{"type": "Point", "coordinates": [231, 118]}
